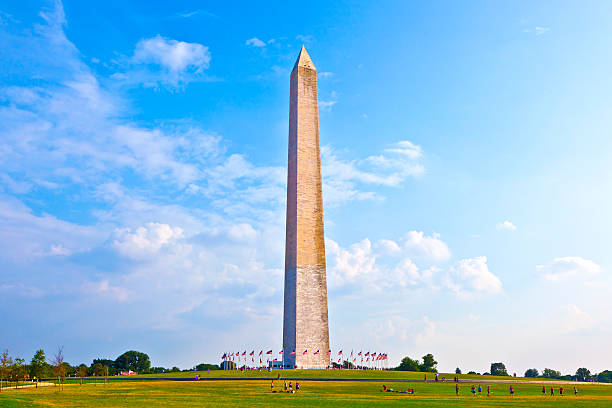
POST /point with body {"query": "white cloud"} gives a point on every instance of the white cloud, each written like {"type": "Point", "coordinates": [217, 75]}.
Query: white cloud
{"type": "Point", "coordinates": [349, 265]}
{"type": "Point", "coordinates": [145, 240]}
{"type": "Point", "coordinates": [431, 247]}
{"type": "Point", "coordinates": [342, 179]}
{"type": "Point", "coordinates": [327, 105]}
{"type": "Point", "coordinates": [505, 226]}
{"type": "Point", "coordinates": [576, 319]}
{"type": "Point", "coordinates": [255, 42]}
{"type": "Point", "coordinates": [537, 30]}
{"type": "Point", "coordinates": [174, 55]}
{"type": "Point", "coordinates": [160, 61]}
{"type": "Point", "coordinates": [325, 75]}
{"type": "Point", "coordinates": [407, 149]}
{"type": "Point", "coordinates": [568, 267]}
{"type": "Point", "coordinates": [472, 276]}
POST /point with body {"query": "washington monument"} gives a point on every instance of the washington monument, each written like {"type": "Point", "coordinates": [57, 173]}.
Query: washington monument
{"type": "Point", "coordinates": [305, 326]}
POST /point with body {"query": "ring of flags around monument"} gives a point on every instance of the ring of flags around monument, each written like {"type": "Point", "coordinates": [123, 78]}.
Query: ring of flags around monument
{"type": "Point", "coordinates": [356, 360]}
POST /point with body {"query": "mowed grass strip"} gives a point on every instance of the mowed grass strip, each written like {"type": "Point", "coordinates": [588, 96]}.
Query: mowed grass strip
{"type": "Point", "coordinates": [315, 393]}
{"type": "Point", "coordinates": [357, 374]}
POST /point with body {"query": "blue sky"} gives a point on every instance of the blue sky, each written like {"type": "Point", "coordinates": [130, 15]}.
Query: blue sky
{"type": "Point", "coordinates": [467, 180]}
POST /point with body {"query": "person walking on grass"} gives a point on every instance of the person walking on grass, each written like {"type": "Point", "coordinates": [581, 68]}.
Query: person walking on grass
{"type": "Point", "coordinates": [511, 391]}
{"type": "Point", "coordinates": [297, 386]}
{"type": "Point", "coordinates": [561, 391]}
{"type": "Point", "coordinates": [575, 391]}
{"type": "Point", "coordinates": [457, 389]}
{"type": "Point", "coordinates": [473, 390]}
{"type": "Point", "coordinates": [479, 390]}
{"type": "Point", "coordinates": [272, 385]}
{"type": "Point", "coordinates": [543, 390]}
{"type": "Point", "coordinates": [285, 386]}
{"type": "Point", "coordinates": [488, 390]}
{"type": "Point", "coordinates": [552, 392]}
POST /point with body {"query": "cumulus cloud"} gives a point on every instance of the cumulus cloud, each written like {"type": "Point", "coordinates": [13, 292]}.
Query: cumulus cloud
{"type": "Point", "coordinates": [145, 240]}
{"type": "Point", "coordinates": [377, 266]}
{"type": "Point", "coordinates": [431, 247]}
{"type": "Point", "coordinates": [347, 180]}
{"type": "Point", "coordinates": [576, 319]}
{"type": "Point", "coordinates": [161, 61]}
{"type": "Point", "coordinates": [472, 276]}
{"type": "Point", "coordinates": [255, 42]}
{"type": "Point", "coordinates": [356, 262]}
{"type": "Point", "coordinates": [568, 267]}
{"type": "Point", "coordinates": [505, 226]}
{"type": "Point", "coordinates": [171, 54]}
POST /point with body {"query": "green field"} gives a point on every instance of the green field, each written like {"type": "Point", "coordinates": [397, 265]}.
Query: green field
{"type": "Point", "coordinates": [312, 393]}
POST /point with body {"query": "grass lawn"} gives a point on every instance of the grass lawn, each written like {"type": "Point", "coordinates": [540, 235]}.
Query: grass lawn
{"type": "Point", "coordinates": [312, 393]}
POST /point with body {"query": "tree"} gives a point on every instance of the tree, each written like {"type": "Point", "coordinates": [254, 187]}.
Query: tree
{"type": "Point", "coordinates": [157, 370]}
{"type": "Point", "coordinates": [550, 373]}
{"type": "Point", "coordinates": [205, 366]}
{"type": "Point", "coordinates": [5, 366]}
{"type": "Point", "coordinates": [109, 365]}
{"type": "Point", "coordinates": [409, 364]}
{"type": "Point", "coordinates": [347, 365]}
{"type": "Point", "coordinates": [532, 372]}
{"type": "Point", "coordinates": [457, 370]}
{"type": "Point", "coordinates": [38, 365]}
{"type": "Point", "coordinates": [429, 364]}
{"type": "Point", "coordinates": [134, 361]}
{"type": "Point", "coordinates": [82, 370]}
{"type": "Point", "coordinates": [59, 369]}
{"type": "Point", "coordinates": [18, 370]}
{"type": "Point", "coordinates": [605, 376]}
{"type": "Point", "coordinates": [498, 369]}
{"type": "Point", "coordinates": [98, 369]}
{"type": "Point", "coordinates": [582, 374]}
{"type": "Point", "coordinates": [175, 370]}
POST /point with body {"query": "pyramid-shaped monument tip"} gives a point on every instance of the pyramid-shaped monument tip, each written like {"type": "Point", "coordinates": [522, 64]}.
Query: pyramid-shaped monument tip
{"type": "Point", "coordinates": [304, 60]}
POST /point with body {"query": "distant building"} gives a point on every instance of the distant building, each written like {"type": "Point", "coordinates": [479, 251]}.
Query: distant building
{"type": "Point", "coordinates": [275, 364]}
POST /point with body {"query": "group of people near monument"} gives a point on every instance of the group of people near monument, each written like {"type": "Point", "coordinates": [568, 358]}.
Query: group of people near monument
{"type": "Point", "coordinates": [478, 390]}
{"type": "Point", "coordinates": [286, 388]}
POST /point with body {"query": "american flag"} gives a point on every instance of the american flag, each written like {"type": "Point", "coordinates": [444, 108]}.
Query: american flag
{"type": "Point", "coordinates": [316, 352]}
{"type": "Point", "coordinates": [244, 353]}
{"type": "Point", "coordinates": [269, 352]}
{"type": "Point", "coordinates": [280, 352]}
{"type": "Point", "coordinates": [359, 353]}
{"type": "Point", "coordinates": [328, 352]}
{"type": "Point", "coordinates": [252, 353]}
{"type": "Point", "coordinates": [261, 352]}
{"type": "Point", "coordinates": [305, 352]}
{"type": "Point", "coordinates": [367, 354]}
{"type": "Point", "coordinates": [292, 352]}
{"type": "Point", "coordinates": [340, 353]}
{"type": "Point", "coordinates": [224, 356]}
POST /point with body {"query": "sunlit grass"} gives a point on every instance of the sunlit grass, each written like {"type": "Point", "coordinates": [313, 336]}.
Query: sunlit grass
{"type": "Point", "coordinates": [312, 393]}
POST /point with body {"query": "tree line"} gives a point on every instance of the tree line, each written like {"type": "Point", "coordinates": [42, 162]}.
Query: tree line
{"type": "Point", "coordinates": [39, 367]}
{"type": "Point", "coordinates": [429, 364]}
